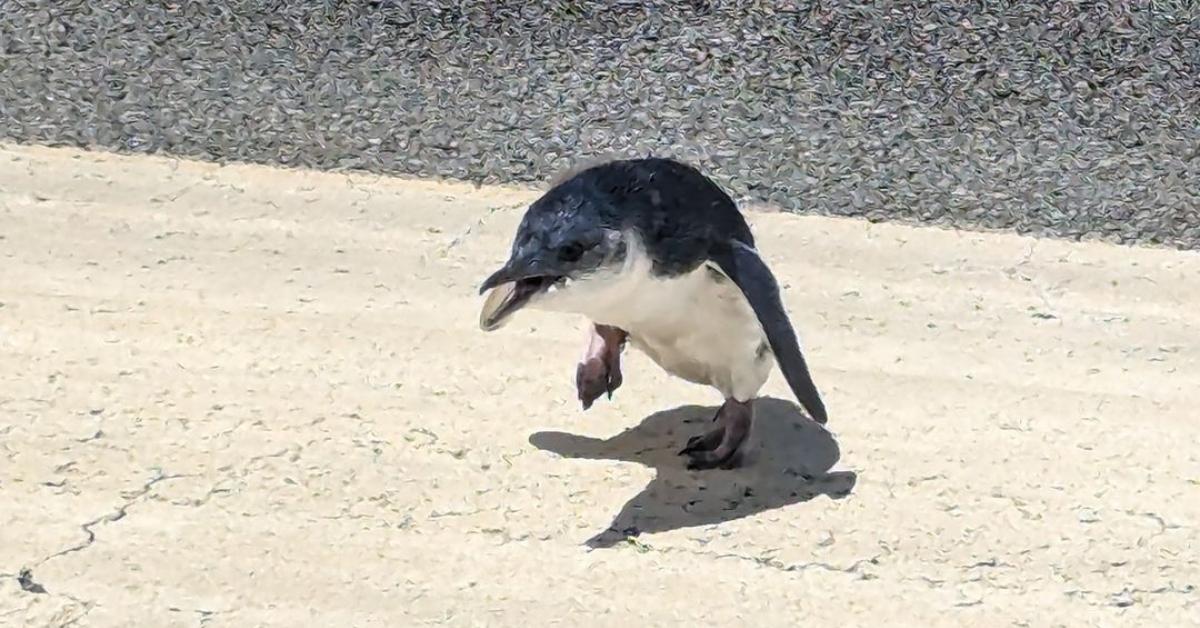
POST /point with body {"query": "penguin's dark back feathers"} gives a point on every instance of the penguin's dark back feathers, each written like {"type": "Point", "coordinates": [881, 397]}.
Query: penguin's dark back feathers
{"type": "Point", "coordinates": [682, 216]}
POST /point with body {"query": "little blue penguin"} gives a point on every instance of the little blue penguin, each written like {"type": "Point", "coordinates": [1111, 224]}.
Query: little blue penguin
{"type": "Point", "coordinates": [653, 252]}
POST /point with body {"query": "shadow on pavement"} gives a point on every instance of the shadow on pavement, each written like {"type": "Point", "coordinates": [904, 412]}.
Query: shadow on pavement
{"type": "Point", "coordinates": [786, 461]}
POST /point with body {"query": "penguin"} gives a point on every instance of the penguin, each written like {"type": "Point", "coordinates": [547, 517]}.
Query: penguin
{"type": "Point", "coordinates": [653, 253]}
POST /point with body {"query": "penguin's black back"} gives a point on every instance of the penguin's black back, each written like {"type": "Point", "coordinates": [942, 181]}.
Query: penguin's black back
{"type": "Point", "coordinates": [682, 216]}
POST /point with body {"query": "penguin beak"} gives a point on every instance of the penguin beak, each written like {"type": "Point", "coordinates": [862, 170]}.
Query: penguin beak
{"type": "Point", "coordinates": [511, 288]}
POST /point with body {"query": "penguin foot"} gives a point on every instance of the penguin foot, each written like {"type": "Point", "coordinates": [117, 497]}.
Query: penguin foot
{"type": "Point", "coordinates": [707, 441]}
{"type": "Point", "coordinates": [720, 448]}
{"type": "Point", "coordinates": [594, 378]}
{"type": "Point", "coordinates": [600, 370]}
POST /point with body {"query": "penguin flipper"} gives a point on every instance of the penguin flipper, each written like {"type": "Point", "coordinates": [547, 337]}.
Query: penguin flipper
{"type": "Point", "coordinates": [742, 264]}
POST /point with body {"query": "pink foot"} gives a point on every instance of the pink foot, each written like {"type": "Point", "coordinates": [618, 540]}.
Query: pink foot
{"type": "Point", "coordinates": [721, 447]}
{"type": "Point", "coordinates": [600, 370]}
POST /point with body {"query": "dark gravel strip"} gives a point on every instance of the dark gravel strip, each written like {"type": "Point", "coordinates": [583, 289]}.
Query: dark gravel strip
{"type": "Point", "coordinates": [1066, 119]}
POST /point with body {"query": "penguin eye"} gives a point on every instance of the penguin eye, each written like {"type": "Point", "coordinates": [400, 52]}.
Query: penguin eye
{"type": "Point", "coordinates": [570, 252]}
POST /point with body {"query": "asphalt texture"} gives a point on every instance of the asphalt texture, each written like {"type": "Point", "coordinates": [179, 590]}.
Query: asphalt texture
{"type": "Point", "coordinates": [1068, 119]}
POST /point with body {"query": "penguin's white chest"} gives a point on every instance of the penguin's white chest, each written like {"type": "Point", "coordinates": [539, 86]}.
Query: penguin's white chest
{"type": "Point", "coordinates": [698, 326]}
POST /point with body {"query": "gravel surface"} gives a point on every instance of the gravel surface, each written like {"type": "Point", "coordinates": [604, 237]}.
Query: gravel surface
{"type": "Point", "coordinates": [1068, 119]}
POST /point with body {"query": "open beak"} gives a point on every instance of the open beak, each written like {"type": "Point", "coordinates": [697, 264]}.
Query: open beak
{"type": "Point", "coordinates": [511, 288]}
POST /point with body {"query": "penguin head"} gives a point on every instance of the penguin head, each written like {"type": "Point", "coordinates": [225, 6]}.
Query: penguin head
{"type": "Point", "coordinates": [561, 244]}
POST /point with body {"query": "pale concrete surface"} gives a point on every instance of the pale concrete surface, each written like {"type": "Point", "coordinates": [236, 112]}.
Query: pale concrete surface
{"type": "Point", "coordinates": [247, 397]}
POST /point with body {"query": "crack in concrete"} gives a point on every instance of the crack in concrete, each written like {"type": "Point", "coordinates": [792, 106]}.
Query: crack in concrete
{"type": "Point", "coordinates": [16, 610]}
{"type": "Point", "coordinates": [214, 490]}
{"type": "Point", "coordinates": [930, 582]}
{"type": "Point", "coordinates": [205, 614]}
{"type": "Point", "coordinates": [247, 470]}
{"type": "Point", "coordinates": [1163, 525]}
{"type": "Point", "coordinates": [96, 436]}
{"type": "Point", "coordinates": [88, 606]}
{"type": "Point", "coordinates": [1126, 596]}
{"type": "Point", "coordinates": [25, 576]}
{"type": "Point", "coordinates": [232, 475]}
{"type": "Point", "coordinates": [989, 563]}
{"type": "Point", "coordinates": [854, 569]}
{"type": "Point", "coordinates": [116, 515]}
{"type": "Point", "coordinates": [768, 562]}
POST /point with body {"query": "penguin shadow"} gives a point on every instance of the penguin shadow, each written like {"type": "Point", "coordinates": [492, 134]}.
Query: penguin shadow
{"type": "Point", "coordinates": [786, 460]}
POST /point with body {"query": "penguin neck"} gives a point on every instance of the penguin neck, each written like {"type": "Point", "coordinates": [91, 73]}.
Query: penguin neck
{"type": "Point", "coordinates": [609, 295]}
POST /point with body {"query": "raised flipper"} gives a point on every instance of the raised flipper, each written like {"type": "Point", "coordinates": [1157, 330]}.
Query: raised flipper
{"type": "Point", "coordinates": [743, 265]}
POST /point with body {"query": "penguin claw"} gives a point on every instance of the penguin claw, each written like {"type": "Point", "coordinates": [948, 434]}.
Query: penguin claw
{"type": "Point", "coordinates": [720, 447]}
{"type": "Point", "coordinates": [612, 381]}
{"type": "Point", "coordinates": [703, 442]}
